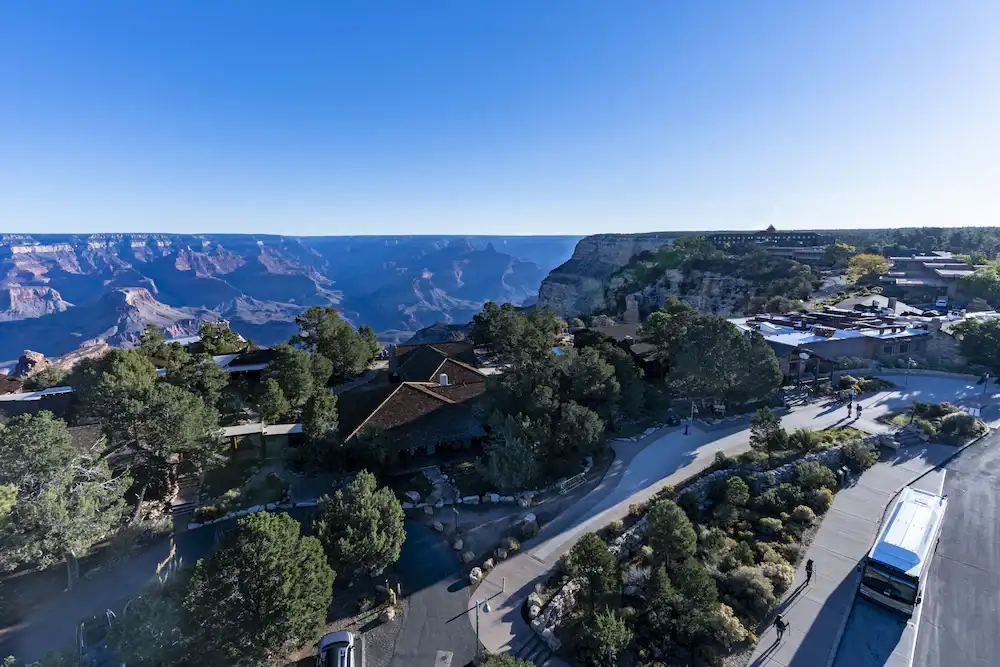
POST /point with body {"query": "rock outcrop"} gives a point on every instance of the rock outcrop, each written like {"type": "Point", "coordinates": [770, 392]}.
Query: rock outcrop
{"type": "Point", "coordinates": [578, 286]}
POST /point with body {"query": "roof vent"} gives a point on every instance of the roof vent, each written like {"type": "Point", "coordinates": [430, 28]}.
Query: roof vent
{"type": "Point", "coordinates": [443, 379]}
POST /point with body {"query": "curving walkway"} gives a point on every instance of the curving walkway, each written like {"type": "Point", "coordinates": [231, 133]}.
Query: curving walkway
{"type": "Point", "coordinates": [641, 468]}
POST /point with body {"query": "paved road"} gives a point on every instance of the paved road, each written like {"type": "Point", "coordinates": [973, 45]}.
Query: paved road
{"type": "Point", "coordinates": [875, 636]}
{"type": "Point", "coordinates": [436, 633]}
{"type": "Point", "coordinates": [959, 623]}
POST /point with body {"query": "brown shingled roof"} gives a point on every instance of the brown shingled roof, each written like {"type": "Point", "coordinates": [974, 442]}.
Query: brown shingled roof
{"type": "Point", "coordinates": [420, 414]}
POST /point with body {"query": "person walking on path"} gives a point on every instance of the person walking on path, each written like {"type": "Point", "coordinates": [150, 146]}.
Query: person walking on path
{"type": "Point", "coordinates": [850, 407]}
{"type": "Point", "coordinates": [809, 571]}
{"type": "Point", "coordinates": [780, 626]}
{"type": "Point", "coordinates": [859, 411]}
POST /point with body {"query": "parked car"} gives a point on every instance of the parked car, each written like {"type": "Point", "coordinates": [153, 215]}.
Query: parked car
{"type": "Point", "coordinates": [337, 650]}
{"type": "Point", "coordinates": [92, 640]}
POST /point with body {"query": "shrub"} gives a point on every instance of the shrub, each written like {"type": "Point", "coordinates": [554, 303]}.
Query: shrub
{"type": "Point", "coordinates": [636, 575]}
{"type": "Point", "coordinates": [804, 515]}
{"type": "Point", "coordinates": [767, 554]}
{"type": "Point", "coordinates": [690, 504]}
{"type": "Point", "coordinates": [529, 529]}
{"type": "Point", "coordinates": [722, 461]}
{"type": "Point", "coordinates": [858, 456]}
{"type": "Point", "coordinates": [751, 459]}
{"type": "Point", "coordinates": [737, 493]}
{"type": "Point", "coordinates": [740, 555]}
{"type": "Point", "coordinates": [804, 440]}
{"type": "Point", "coordinates": [208, 512]}
{"type": "Point", "coordinates": [616, 527]}
{"type": "Point", "coordinates": [960, 426]}
{"type": "Point", "coordinates": [820, 500]}
{"type": "Point", "coordinates": [750, 591]}
{"type": "Point", "coordinates": [770, 526]}
{"type": "Point", "coordinates": [634, 509]}
{"type": "Point", "coordinates": [781, 576]}
{"type": "Point", "coordinates": [811, 475]}
{"type": "Point", "coordinates": [926, 426]}
{"type": "Point", "coordinates": [792, 552]}
{"type": "Point", "coordinates": [847, 382]}
{"type": "Point", "coordinates": [511, 544]}
{"type": "Point", "coordinates": [646, 552]}
{"type": "Point", "coordinates": [726, 628]}
{"type": "Point", "coordinates": [781, 498]}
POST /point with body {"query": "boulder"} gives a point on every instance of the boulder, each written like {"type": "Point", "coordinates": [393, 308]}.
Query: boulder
{"type": "Point", "coordinates": [475, 576]}
{"type": "Point", "coordinates": [529, 518]}
{"type": "Point", "coordinates": [413, 496]}
{"type": "Point", "coordinates": [536, 625]}
{"type": "Point", "coordinates": [389, 614]}
{"type": "Point", "coordinates": [534, 610]}
{"type": "Point", "coordinates": [500, 553]}
{"type": "Point", "coordinates": [524, 502]}
{"type": "Point", "coordinates": [428, 510]}
{"type": "Point", "coordinates": [489, 564]}
{"type": "Point", "coordinates": [255, 509]}
{"type": "Point", "coordinates": [438, 526]}
{"type": "Point", "coordinates": [407, 506]}
{"type": "Point", "coordinates": [193, 526]}
{"type": "Point", "coordinates": [458, 544]}
{"type": "Point", "coordinates": [307, 503]}
{"type": "Point", "coordinates": [494, 497]}
{"type": "Point", "coordinates": [468, 557]}
{"type": "Point", "coordinates": [377, 573]}
{"type": "Point", "coordinates": [470, 500]}
{"type": "Point", "coordinates": [272, 506]}
{"type": "Point", "coordinates": [439, 504]}
{"type": "Point", "coordinates": [507, 499]}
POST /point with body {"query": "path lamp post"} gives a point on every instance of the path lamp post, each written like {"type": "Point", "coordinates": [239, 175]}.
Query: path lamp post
{"type": "Point", "coordinates": [908, 363]}
{"type": "Point", "coordinates": [986, 382]}
{"type": "Point", "coordinates": [802, 364]}
{"type": "Point", "coordinates": [455, 510]}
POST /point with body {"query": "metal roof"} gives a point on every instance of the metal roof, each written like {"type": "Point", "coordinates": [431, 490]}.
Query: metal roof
{"type": "Point", "coordinates": [908, 536]}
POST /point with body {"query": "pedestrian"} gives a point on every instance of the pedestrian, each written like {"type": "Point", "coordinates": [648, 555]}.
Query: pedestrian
{"type": "Point", "coordinates": [809, 571]}
{"type": "Point", "coordinates": [850, 407]}
{"type": "Point", "coordinates": [780, 626]}
{"type": "Point", "coordinates": [859, 411]}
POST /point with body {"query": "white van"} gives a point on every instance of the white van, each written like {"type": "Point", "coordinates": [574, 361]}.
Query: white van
{"type": "Point", "coordinates": [337, 650]}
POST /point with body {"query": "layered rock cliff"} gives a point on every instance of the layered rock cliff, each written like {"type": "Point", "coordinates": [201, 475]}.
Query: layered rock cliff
{"type": "Point", "coordinates": [577, 287]}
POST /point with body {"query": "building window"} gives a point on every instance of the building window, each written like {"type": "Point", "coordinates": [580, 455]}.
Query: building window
{"type": "Point", "coordinates": [888, 349]}
{"type": "Point", "coordinates": [904, 348]}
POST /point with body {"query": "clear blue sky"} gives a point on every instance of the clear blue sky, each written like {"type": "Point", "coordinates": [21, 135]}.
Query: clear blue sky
{"type": "Point", "coordinates": [502, 116]}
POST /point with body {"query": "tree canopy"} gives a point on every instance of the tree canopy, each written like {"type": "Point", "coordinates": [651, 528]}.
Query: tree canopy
{"type": "Point", "coordinates": [323, 331]}
{"type": "Point", "coordinates": [264, 591]}
{"type": "Point", "coordinates": [60, 500]}
{"type": "Point", "coordinates": [708, 356]}
{"type": "Point", "coordinates": [979, 340]}
{"type": "Point", "coordinates": [218, 338]}
{"type": "Point", "coordinates": [360, 526]}
{"type": "Point", "coordinates": [510, 333]}
{"type": "Point", "coordinates": [867, 264]}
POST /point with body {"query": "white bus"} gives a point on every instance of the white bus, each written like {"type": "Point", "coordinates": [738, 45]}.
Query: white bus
{"type": "Point", "coordinates": [895, 568]}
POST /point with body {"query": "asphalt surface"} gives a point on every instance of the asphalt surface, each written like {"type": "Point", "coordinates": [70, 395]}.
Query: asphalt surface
{"type": "Point", "coordinates": [960, 622]}
{"type": "Point", "coordinates": [436, 633]}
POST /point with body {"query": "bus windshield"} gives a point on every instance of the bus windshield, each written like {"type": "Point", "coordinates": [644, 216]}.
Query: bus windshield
{"type": "Point", "coordinates": [892, 586]}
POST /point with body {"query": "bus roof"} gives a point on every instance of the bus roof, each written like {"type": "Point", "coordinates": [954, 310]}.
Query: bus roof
{"type": "Point", "coordinates": [907, 538]}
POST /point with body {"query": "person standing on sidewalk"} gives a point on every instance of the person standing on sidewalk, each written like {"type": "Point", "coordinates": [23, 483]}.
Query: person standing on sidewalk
{"type": "Point", "coordinates": [780, 626]}
{"type": "Point", "coordinates": [809, 571]}
{"type": "Point", "coordinates": [850, 407]}
{"type": "Point", "coordinates": [859, 411]}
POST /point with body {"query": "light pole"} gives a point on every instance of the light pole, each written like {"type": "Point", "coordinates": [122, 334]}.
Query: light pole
{"type": "Point", "coordinates": [908, 362]}
{"type": "Point", "coordinates": [478, 602]}
{"type": "Point", "coordinates": [455, 510]}
{"type": "Point", "coordinates": [986, 382]}
{"type": "Point", "coordinates": [802, 364]}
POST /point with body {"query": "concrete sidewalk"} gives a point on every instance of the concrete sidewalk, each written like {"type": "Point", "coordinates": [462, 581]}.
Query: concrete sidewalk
{"type": "Point", "coordinates": [817, 613]}
{"type": "Point", "coordinates": [668, 456]}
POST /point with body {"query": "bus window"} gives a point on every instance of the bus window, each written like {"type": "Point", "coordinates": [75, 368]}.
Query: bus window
{"type": "Point", "coordinates": [889, 585]}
